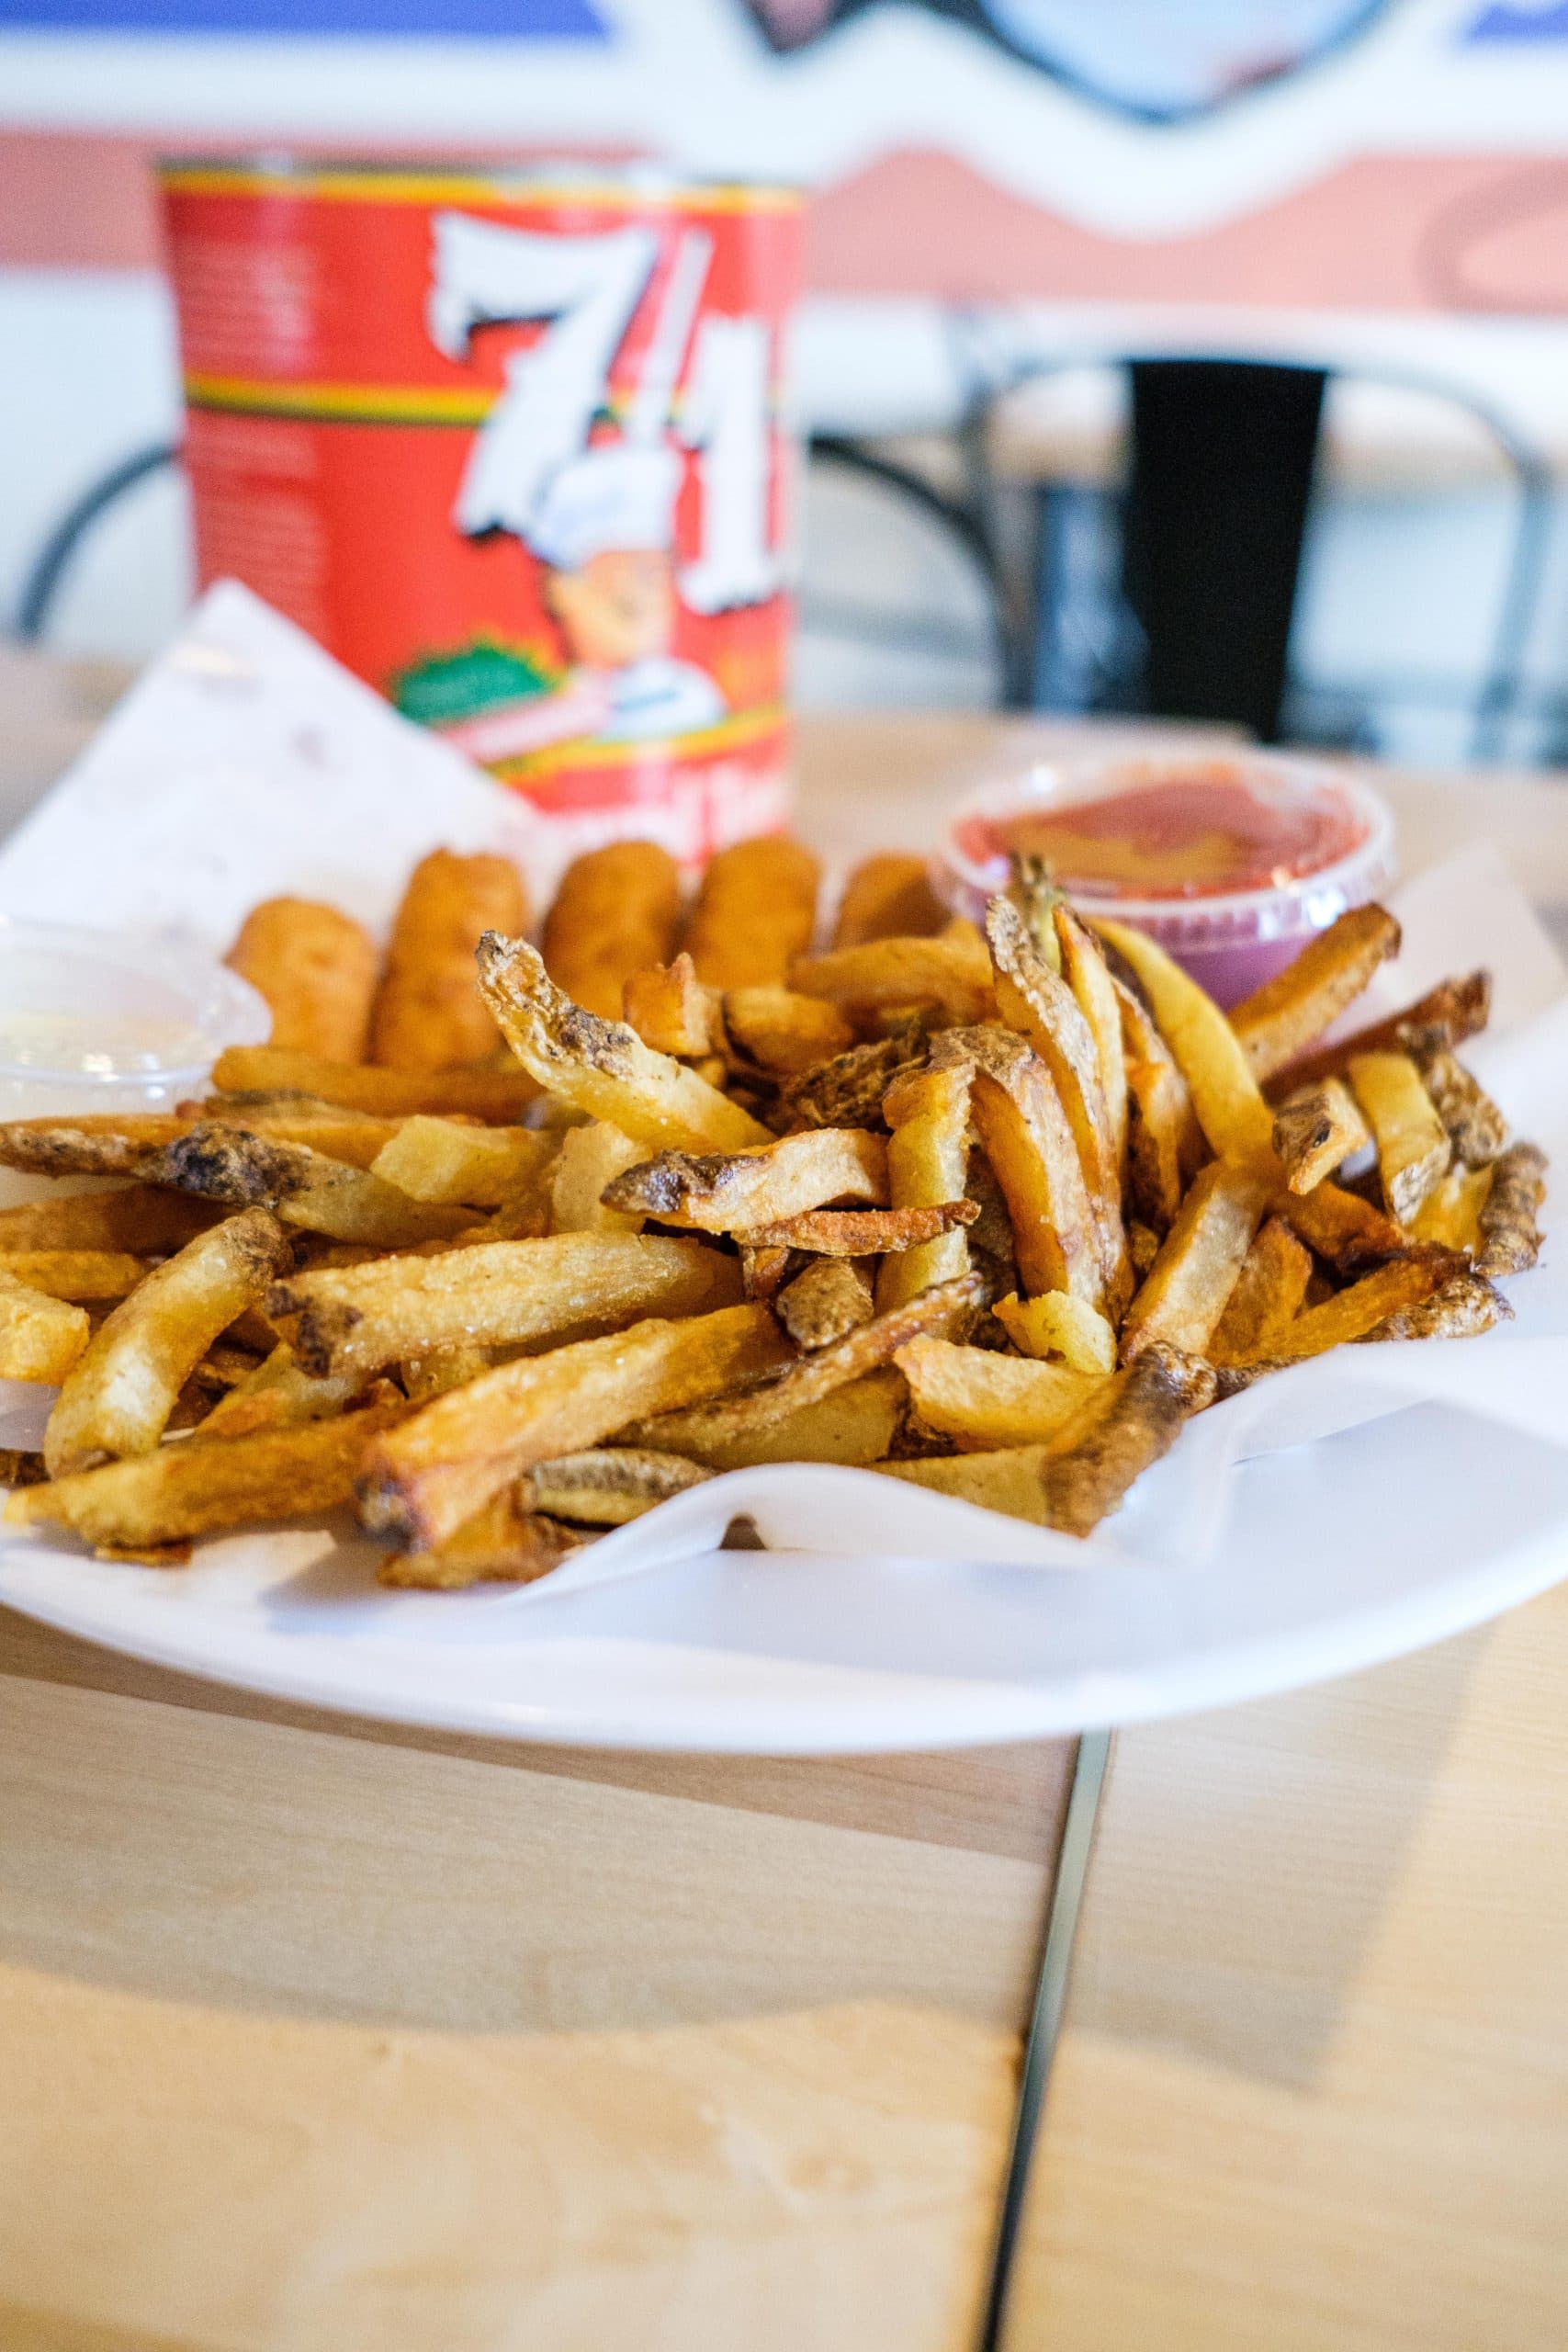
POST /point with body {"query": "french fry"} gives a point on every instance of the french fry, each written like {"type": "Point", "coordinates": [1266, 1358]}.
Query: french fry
{"type": "Point", "coordinates": [41, 1339]}
{"type": "Point", "coordinates": [137, 1220]}
{"type": "Point", "coordinates": [1085, 970]}
{"type": "Point", "coordinates": [603, 1068]}
{"type": "Point", "coordinates": [723, 1193]}
{"type": "Point", "coordinates": [1171, 1111]}
{"type": "Point", "coordinates": [589, 1159]}
{"type": "Point", "coordinates": [762, 1269]}
{"type": "Point", "coordinates": [1436, 1023]}
{"type": "Point", "coordinates": [1268, 1296]}
{"type": "Point", "coordinates": [1475, 1126]}
{"type": "Point", "coordinates": [1316, 1130]}
{"type": "Point", "coordinates": [319, 1195]}
{"type": "Point", "coordinates": [504, 1544]}
{"type": "Point", "coordinates": [1341, 1227]}
{"type": "Point", "coordinates": [424, 1479]}
{"type": "Point", "coordinates": [888, 897]}
{"type": "Point", "coordinates": [1041, 1008]}
{"type": "Point", "coordinates": [673, 1011]}
{"type": "Point", "coordinates": [1462, 1310]}
{"type": "Point", "coordinates": [118, 1398]}
{"type": "Point", "coordinates": [1413, 1144]}
{"type": "Point", "coordinates": [330, 1129]}
{"type": "Point", "coordinates": [1210, 1057]}
{"type": "Point", "coordinates": [1279, 1021]}
{"type": "Point", "coordinates": [616, 913]}
{"type": "Point", "coordinates": [785, 1033]}
{"type": "Point", "coordinates": [1185, 1291]}
{"type": "Point", "coordinates": [20, 1466]}
{"type": "Point", "coordinates": [1451, 1213]}
{"type": "Point", "coordinates": [756, 907]}
{"type": "Point", "coordinates": [279, 1393]}
{"type": "Point", "coordinates": [854, 1425]}
{"type": "Point", "coordinates": [928, 1166]}
{"type": "Point", "coordinates": [1394, 1289]}
{"type": "Point", "coordinates": [316, 968]}
{"type": "Point", "coordinates": [74, 1273]}
{"type": "Point", "coordinates": [185, 1491]}
{"type": "Point", "coordinates": [828, 1298]}
{"type": "Point", "coordinates": [500, 1096]}
{"type": "Point", "coordinates": [847, 1090]}
{"type": "Point", "coordinates": [1019, 1118]}
{"type": "Point", "coordinates": [611, 1485]}
{"type": "Point", "coordinates": [1053, 1323]}
{"type": "Point", "coordinates": [952, 972]}
{"type": "Point", "coordinates": [1084, 1472]}
{"type": "Point", "coordinates": [1510, 1232]}
{"type": "Point", "coordinates": [985, 1401]}
{"type": "Point", "coordinates": [498, 1294]}
{"type": "Point", "coordinates": [803, 1382]}
{"type": "Point", "coordinates": [453, 1164]}
{"type": "Point", "coordinates": [427, 1015]}
{"type": "Point", "coordinates": [862, 1233]}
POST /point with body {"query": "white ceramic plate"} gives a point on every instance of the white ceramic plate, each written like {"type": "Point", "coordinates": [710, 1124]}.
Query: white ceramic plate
{"type": "Point", "coordinates": [1335, 1555]}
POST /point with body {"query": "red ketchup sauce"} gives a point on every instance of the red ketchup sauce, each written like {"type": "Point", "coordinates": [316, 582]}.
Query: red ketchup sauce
{"type": "Point", "coordinates": [1204, 831]}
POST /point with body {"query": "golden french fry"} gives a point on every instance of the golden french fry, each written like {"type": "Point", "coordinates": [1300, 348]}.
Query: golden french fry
{"type": "Point", "coordinates": [118, 1398]}
{"type": "Point", "coordinates": [1341, 1227]}
{"type": "Point", "coordinates": [1268, 1296]}
{"type": "Point", "coordinates": [279, 1393]}
{"type": "Point", "coordinates": [1476, 1127]}
{"type": "Point", "coordinates": [1316, 1130]}
{"type": "Point", "coordinates": [498, 1294]}
{"type": "Point", "coordinates": [137, 1221]}
{"type": "Point", "coordinates": [1210, 1057]}
{"type": "Point", "coordinates": [847, 1090]}
{"type": "Point", "coordinates": [330, 1129]}
{"type": "Point", "coordinates": [887, 897]}
{"type": "Point", "coordinates": [1462, 1310]}
{"type": "Point", "coordinates": [1054, 1323]}
{"type": "Point", "coordinates": [319, 1195]}
{"type": "Point", "coordinates": [756, 907]}
{"type": "Point", "coordinates": [1279, 1021]}
{"type": "Point", "coordinates": [446, 1368]}
{"type": "Point", "coordinates": [1023, 1130]}
{"type": "Point", "coordinates": [1038, 1004]}
{"type": "Point", "coordinates": [611, 1485]}
{"type": "Point", "coordinates": [74, 1273]}
{"type": "Point", "coordinates": [497, 1095]}
{"type": "Point", "coordinates": [1413, 1144]}
{"type": "Point", "coordinates": [828, 1298]}
{"type": "Point", "coordinates": [854, 1425]}
{"type": "Point", "coordinates": [862, 1233]}
{"type": "Point", "coordinates": [316, 968]}
{"type": "Point", "coordinates": [616, 913]}
{"type": "Point", "coordinates": [775, 1030]}
{"type": "Point", "coordinates": [188, 1490]}
{"type": "Point", "coordinates": [722, 1192]}
{"type": "Point", "coordinates": [1085, 970]}
{"type": "Point", "coordinates": [928, 1166]}
{"type": "Point", "coordinates": [673, 1011]}
{"type": "Point", "coordinates": [42, 1338]}
{"type": "Point", "coordinates": [1184, 1293]}
{"type": "Point", "coordinates": [1164, 1156]}
{"type": "Point", "coordinates": [453, 1164]}
{"type": "Point", "coordinates": [424, 1479]}
{"type": "Point", "coordinates": [1394, 1289]}
{"type": "Point", "coordinates": [601, 1067]}
{"type": "Point", "coordinates": [428, 1015]}
{"type": "Point", "coordinates": [1507, 1225]}
{"type": "Point", "coordinates": [1451, 1213]}
{"type": "Point", "coordinates": [952, 972]}
{"type": "Point", "coordinates": [762, 1269]}
{"type": "Point", "coordinates": [1436, 1023]}
{"type": "Point", "coordinates": [589, 1160]}
{"type": "Point", "coordinates": [983, 1401]}
{"type": "Point", "coordinates": [504, 1544]}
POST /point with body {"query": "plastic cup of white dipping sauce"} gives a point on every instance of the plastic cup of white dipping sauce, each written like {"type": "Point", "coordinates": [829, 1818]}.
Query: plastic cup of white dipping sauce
{"type": "Point", "coordinates": [106, 1020]}
{"type": "Point", "coordinates": [1231, 861]}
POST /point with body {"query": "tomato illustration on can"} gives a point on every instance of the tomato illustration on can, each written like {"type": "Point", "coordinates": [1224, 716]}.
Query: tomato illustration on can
{"type": "Point", "coordinates": [515, 448]}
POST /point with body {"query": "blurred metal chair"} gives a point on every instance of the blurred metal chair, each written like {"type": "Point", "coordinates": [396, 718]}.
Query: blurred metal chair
{"type": "Point", "coordinates": [46, 574]}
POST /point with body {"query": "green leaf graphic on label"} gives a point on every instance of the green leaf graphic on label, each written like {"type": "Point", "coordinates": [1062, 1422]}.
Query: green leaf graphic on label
{"type": "Point", "coordinates": [441, 688]}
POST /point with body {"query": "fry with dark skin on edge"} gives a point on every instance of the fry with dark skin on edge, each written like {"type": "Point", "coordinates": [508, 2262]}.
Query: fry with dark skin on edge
{"type": "Point", "coordinates": [1510, 1233]}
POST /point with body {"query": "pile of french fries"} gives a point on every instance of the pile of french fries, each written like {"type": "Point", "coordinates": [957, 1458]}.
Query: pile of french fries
{"type": "Point", "coordinates": [994, 1214]}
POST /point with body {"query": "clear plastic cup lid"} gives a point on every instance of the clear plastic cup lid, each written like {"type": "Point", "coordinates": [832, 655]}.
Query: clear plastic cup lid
{"type": "Point", "coordinates": [1202, 850]}
{"type": "Point", "coordinates": [90, 1008]}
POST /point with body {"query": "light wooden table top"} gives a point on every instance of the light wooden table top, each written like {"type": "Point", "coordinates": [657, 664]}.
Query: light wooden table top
{"type": "Point", "coordinates": [317, 2033]}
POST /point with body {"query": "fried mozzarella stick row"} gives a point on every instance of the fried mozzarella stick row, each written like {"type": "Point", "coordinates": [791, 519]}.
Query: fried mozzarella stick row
{"type": "Point", "coordinates": [428, 1012]}
{"type": "Point", "coordinates": [757, 908]}
{"type": "Point", "coordinates": [616, 913]}
{"type": "Point", "coordinates": [317, 970]}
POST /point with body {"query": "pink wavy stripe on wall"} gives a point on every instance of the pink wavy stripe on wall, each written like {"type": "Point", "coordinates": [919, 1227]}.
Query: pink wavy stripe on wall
{"type": "Point", "coordinates": [1403, 233]}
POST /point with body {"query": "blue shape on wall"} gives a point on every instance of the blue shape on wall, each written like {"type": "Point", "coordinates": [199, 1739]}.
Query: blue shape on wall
{"type": "Point", "coordinates": [1521, 22]}
{"type": "Point", "coordinates": [322, 19]}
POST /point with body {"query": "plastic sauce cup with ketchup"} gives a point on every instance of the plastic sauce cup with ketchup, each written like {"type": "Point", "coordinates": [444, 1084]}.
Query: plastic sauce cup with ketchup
{"type": "Point", "coordinates": [1231, 860]}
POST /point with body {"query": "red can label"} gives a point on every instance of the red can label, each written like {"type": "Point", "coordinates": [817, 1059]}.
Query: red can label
{"type": "Point", "coordinates": [515, 450]}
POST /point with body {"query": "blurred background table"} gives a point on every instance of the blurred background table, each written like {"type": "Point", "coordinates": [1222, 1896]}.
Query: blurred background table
{"type": "Point", "coordinates": [322, 2033]}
